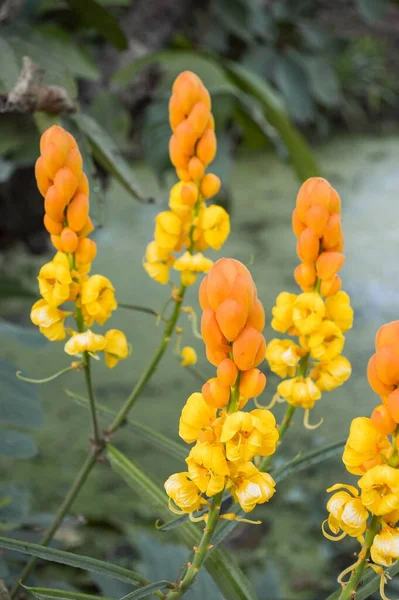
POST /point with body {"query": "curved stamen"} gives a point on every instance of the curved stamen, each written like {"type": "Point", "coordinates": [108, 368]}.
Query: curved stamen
{"type": "Point", "coordinates": [333, 538]}
{"type": "Point", "coordinates": [75, 366]}
{"type": "Point", "coordinates": [306, 423]}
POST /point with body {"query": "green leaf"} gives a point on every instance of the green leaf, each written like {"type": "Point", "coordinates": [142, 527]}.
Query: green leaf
{"type": "Point", "coordinates": [323, 80]}
{"type": "Point", "coordinates": [146, 590]}
{"type": "Point", "coordinates": [52, 594]}
{"type": "Point", "coordinates": [108, 155]}
{"type": "Point", "coordinates": [73, 560]}
{"type": "Point", "coordinates": [9, 68]}
{"type": "Point", "coordinates": [292, 83]}
{"type": "Point", "coordinates": [299, 151]}
{"type": "Point", "coordinates": [370, 584]}
{"type": "Point", "coordinates": [372, 10]}
{"type": "Point", "coordinates": [158, 439]}
{"type": "Point", "coordinates": [16, 444]}
{"type": "Point", "coordinates": [221, 565]}
{"type": "Point", "coordinates": [19, 400]}
{"type": "Point", "coordinates": [98, 17]}
{"type": "Point", "coordinates": [307, 460]}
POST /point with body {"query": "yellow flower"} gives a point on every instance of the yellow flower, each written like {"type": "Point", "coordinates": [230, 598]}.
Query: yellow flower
{"type": "Point", "coordinates": [247, 434]}
{"type": "Point", "coordinates": [365, 447]}
{"type": "Point", "coordinates": [299, 391]}
{"type": "Point", "coordinates": [55, 280]}
{"type": "Point", "coordinates": [282, 312]}
{"type": "Point", "coordinates": [196, 418]}
{"type": "Point", "coordinates": [98, 299]}
{"type": "Point", "coordinates": [116, 348]}
{"type": "Point", "coordinates": [190, 265]}
{"type": "Point", "coordinates": [215, 223]}
{"type": "Point", "coordinates": [385, 548]}
{"type": "Point", "coordinates": [308, 312]}
{"type": "Point", "coordinates": [207, 467]}
{"type": "Point", "coordinates": [380, 489]}
{"type": "Point", "coordinates": [85, 342]}
{"type": "Point", "coordinates": [183, 492]}
{"type": "Point", "coordinates": [157, 262]}
{"type": "Point", "coordinates": [339, 310]}
{"type": "Point", "coordinates": [332, 374]}
{"type": "Point", "coordinates": [189, 356]}
{"type": "Point", "coordinates": [50, 320]}
{"type": "Point", "coordinates": [168, 230]}
{"type": "Point", "coordinates": [283, 357]}
{"type": "Point", "coordinates": [347, 512]}
{"type": "Point", "coordinates": [325, 343]}
{"type": "Point", "coordinates": [176, 201]}
{"type": "Point", "coordinates": [249, 486]}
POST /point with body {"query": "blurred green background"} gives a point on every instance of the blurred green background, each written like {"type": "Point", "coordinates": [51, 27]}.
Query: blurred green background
{"type": "Point", "coordinates": [299, 88]}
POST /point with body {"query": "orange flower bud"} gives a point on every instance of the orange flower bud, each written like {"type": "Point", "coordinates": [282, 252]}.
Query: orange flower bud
{"type": "Point", "coordinates": [308, 246]}
{"type": "Point", "coordinates": [227, 372]}
{"type": "Point", "coordinates": [335, 202]}
{"type": "Point", "coordinates": [316, 218]}
{"type": "Point", "coordinates": [393, 405]}
{"type": "Point", "coordinates": [66, 183]}
{"type": "Point", "coordinates": [183, 174]}
{"type": "Point", "coordinates": [256, 317]}
{"type": "Point", "coordinates": [196, 168]}
{"type": "Point", "coordinates": [211, 332]}
{"type": "Point", "coordinates": [198, 118]}
{"type": "Point", "coordinates": [216, 354]}
{"type": "Point", "coordinates": [53, 227]}
{"type": "Point", "coordinates": [83, 185]}
{"type": "Point", "coordinates": [210, 185]}
{"type": "Point", "coordinates": [86, 251]}
{"type": "Point", "coordinates": [314, 190]}
{"type": "Point", "coordinates": [206, 147]}
{"type": "Point", "coordinates": [297, 225]}
{"type": "Point", "coordinates": [211, 121]}
{"type": "Point", "coordinates": [54, 204]}
{"type": "Point", "coordinates": [176, 112]}
{"type": "Point", "coordinates": [59, 137]}
{"type": "Point", "coordinates": [203, 294]}
{"type": "Point", "coordinates": [205, 97]}
{"type": "Point", "coordinates": [249, 349]}
{"type": "Point", "coordinates": [229, 278]}
{"type": "Point", "coordinates": [305, 275]}
{"type": "Point", "coordinates": [177, 156]}
{"type": "Point", "coordinates": [387, 364]}
{"type": "Point", "coordinates": [74, 162]}
{"type": "Point", "coordinates": [330, 287]}
{"type": "Point", "coordinates": [215, 394]}
{"type": "Point", "coordinates": [186, 87]}
{"type": "Point", "coordinates": [72, 142]}
{"type": "Point", "coordinates": [328, 264]}
{"type": "Point", "coordinates": [189, 193]}
{"type": "Point", "coordinates": [43, 182]}
{"type": "Point", "coordinates": [382, 420]}
{"type": "Point", "coordinates": [332, 232]}
{"type": "Point", "coordinates": [231, 316]}
{"type": "Point", "coordinates": [186, 137]}
{"type": "Point", "coordinates": [375, 382]}
{"type": "Point", "coordinates": [69, 240]}
{"type": "Point", "coordinates": [387, 335]}
{"type": "Point", "coordinates": [252, 383]}
{"type": "Point", "coordinates": [87, 229]}
{"type": "Point", "coordinates": [56, 241]}
{"type": "Point", "coordinates": [78, 211]}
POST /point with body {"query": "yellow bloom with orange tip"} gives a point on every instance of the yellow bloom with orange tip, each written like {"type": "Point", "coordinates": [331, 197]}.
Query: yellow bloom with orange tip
{"type": "Point", "coordinates": [308, 312]}
{"type": "Point", "coordinates": [196, 418]}
{"type": "Point", "coordinates": [97, 299]}
{"type": "Point", "coordinates": [347, 512]}
{"type": "Point", "coordinates": [299, 391]}
{"type": "Point", "coordinates": [55, 280]}
{"type": "Point", "coordinates": [249, 486]}
{"type": "Point", "coordinates": [325, 343]}
{"type": "Point", "coordinates": [215, 223]}
{"type": "Point", "coordinates": [179, 194]}
{"type": "Point", "coordinates": [380, 489]}
{"type": "Point", "coordinates": [189, 356]}
{"type": "Point", "coordinates": [282, 312]}
{"type": "Point", "coordinates": [157, 262]}
{"type": "Point", "coordinates": [184, 493]}
{"type": "Point", "coordinates": [191, 264]}
{"type": "Point", "coordinates": [248, 434]}
{"type": "Point", "coordinates": [283, 357]}
{"type": "Point", "coordinates": [207, 467]}
{"type": "Point", "coordinates": [49, 319]}
{"type": "Point", "coordinates": [330, 375]}
{"type": "Point", "coordinates": [339, 310]}
{"type": "Point", "coordinates": [85, 342]}
{"type": "Point", "coordinates": [168, 230]}
{"type": "Point", "coordinates": [365, 447]}
{"type": "Point", "coordinates": [385, 548]}
{"type": "Point", "coordinates": [116, 347]}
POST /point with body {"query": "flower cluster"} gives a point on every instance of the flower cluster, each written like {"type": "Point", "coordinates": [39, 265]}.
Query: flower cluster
{"type": "Point", "coordinates": [189, 226]}
{"type": "Point", "coordinates": [64, 185]}
{"type": "Point", "coordinates": [322, 313]}
{"type": "Point", "coordinates": [226, 438]}
{"type": "Point", "coordinates": [371, 453]}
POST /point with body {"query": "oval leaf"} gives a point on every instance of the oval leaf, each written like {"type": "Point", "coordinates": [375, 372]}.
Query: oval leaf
{"type": "Point", "coordinates": [19, 400]}
{"type": "Point", "coordinates": [98, 17]}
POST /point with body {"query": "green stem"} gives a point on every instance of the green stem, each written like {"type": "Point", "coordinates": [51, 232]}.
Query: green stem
{"type": "Point", "coordinates": [350, 589]}
{"type": "Point", "coordinates": [234, 397]}
{"type": "Point", "coordinates": [127, 406]}
{"type": "Point", "coordinates": [200, 553]}
{"type": "Point", "coordinates": [93, 412]}
{"type": "Point", "coordinates": [62, 511]}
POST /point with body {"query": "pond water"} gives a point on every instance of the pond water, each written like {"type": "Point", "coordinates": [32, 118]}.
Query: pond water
{"type": "Point", "coordinates": [364, 169]}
